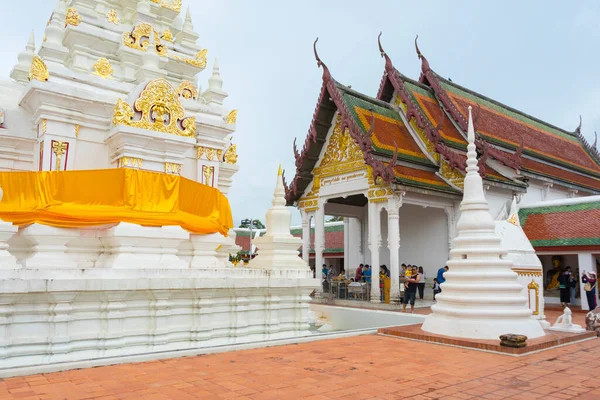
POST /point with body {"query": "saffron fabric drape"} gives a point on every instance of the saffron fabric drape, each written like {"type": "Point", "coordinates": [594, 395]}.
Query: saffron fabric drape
{"type": "Point", "coordinates": [69, 199]}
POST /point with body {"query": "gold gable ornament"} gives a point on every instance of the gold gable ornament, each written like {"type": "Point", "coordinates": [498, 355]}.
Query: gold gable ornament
{"type": "Point", "coordinates": [161, 111]}
{"type": "Point", "coordinates": [231, 118]}
{"type": "Point", "coordinates": [38, 70]}
{"type": "Point", "coordinates": [231, 156]}
{"type": "Point", "coordinates": [513, 220]}
{"type": "Point", "coordinates": [199, 61]}
{"type": "Point", "coordinates": [103, 68]}
{"type": "Point", "coordinates": [73, 17]}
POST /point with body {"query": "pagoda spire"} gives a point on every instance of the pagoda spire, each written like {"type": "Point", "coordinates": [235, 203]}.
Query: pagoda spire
{"type": "Point", "coordinates": [481, 298]}
{"type": "Point", "coordinates": [215, 94]}
{"type": "Point", "coordinates": [188, 37]}
{"type": "Point", "coordinates": [20, 72]}
{"type": "Point", "coordinates": [278, 248]}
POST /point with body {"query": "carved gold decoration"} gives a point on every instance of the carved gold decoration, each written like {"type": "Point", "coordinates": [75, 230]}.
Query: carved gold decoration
{"type": "Point", "coordinates": [138, 38]}
{"type": "Point", "coordinates": [211, 154]}
{"type": "Point", "coordinates": [44, 125]}
{"type": "Point", "coordinates": [77, 127]}
{"type": "Point", "coordinates": [187, 90]}
{"type": "Point", "coordinates": [527, 272]}
{"type": "Point", "coordinates": [41, 160]}
{"type": "Point", "coordinates": [38, 70]}
{"type": "Point", "coordinates": [231, 156]}
{"type": "Point", "coordinates": [342, 154]}
{"type": "Point", "coordinates": [44, 38]}
{"type": "Point", "coordinates": [378, 195]}
{"type": "Point", "coordinates": [174, 5]}
{"type": "Point", "coordinates": [199, 61]}
{"type": "Point", "coordinates": [513, 220]}
{"type": "Point", "coordinates": [220, 155]}
{"type": "Point", "coordinates": [200, 152]}
{"type": "Point", "coordinates": [127, 162]}
{"type": "Point", "coordinates": [172, 168]}
{"type": "Point", "coordinates": [231, 117]}
{"type": "Point", "coordinates": [103, 68]}
{"type": "Point", "coordinates": [59, 149]}
{"type": "Point", "coordinates": [309, 205]}
{"type": "Point", "coordinates": [167, 35]}
{"type": "Point", "coordinates": [113, 17]}
{"type": "Point", "coordinates": [534, 286]}
{"type": "Point", "coordinates": [208, 174]}
{"type": "Point", "coordinates": [452, 174]}
{"type": "Point", "coordinates": [161, 111]}
{"type": "Point", "coordinates": [73, 17]}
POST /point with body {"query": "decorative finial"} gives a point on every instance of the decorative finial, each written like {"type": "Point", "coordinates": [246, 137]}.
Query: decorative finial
{"type": "Point", "coordinates": [326, 74]}
{"type": "Point", "coordinates": [388, 62]}
{"type": "Point", "coordinates": [595, 141]}
{"type": "Point", "coordinates": [215, 81]}
{"type": "Point", "coordinates": [31, 43]}
{"type": "Point", "coordinates": [379, 43]}
{"type": "Point", "coordinates": [424, 63]}
{"type": "Point", "coordinates": [471, 130]}
{"type": "Point", "coordinates": [578, 129]}
{"type": "Point", "coordinates": [188, 26]}
{"type": "Point", "coordinates": [417, 48]}
{"type": "Point", "coordinates": [280, 171]}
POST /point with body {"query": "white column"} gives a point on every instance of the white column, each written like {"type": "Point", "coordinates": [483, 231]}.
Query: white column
{"type": "Point", "coordinates": [586, 264]}
{"type": "Point", "coordinates": [347, 245]}
{"type": "Point", "coordinates": [319, 238]}
{"type": "Point", "coordinates": [394, 246]}
{"type": "Point", "coordinates": [451, 217]}
{"type": "Point", "coordinates": [305, 236]}
{"type": "Point", "coordinates": [374, 244]}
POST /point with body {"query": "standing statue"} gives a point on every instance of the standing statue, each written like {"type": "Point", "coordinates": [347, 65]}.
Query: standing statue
{"type": "Point", "coordinates": [553, 274]}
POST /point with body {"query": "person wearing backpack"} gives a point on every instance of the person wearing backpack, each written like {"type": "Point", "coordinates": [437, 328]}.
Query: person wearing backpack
{"type": "Point", "coordinates": [589, 285]}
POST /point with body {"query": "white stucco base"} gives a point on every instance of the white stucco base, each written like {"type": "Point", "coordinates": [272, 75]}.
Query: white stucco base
{"type": "Point", "coordinates": [108, 292]}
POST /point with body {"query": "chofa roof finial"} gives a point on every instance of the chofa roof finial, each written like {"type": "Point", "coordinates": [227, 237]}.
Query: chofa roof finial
{"type": "Point", "coordinates": [326, 74]}
{"type": "Point", "coordinates": [595, 140]}
{"type": "Point", "coordinates": [424, 63]}
{"type": "Point", "coordinates": [578, 129]}
{"type": "Point", "coordinates": [388, 62]}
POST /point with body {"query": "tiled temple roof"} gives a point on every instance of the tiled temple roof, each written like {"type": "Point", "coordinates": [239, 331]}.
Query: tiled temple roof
{"type": "Point", "coordinates": [572, 223]}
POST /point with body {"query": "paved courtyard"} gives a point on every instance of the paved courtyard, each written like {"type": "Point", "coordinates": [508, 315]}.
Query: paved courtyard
{"type": "Point", "coordinates": [364, 367]}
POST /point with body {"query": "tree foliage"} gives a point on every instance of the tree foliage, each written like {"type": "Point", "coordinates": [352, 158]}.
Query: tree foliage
{"type": "Point", "coordinates": [256, 224]}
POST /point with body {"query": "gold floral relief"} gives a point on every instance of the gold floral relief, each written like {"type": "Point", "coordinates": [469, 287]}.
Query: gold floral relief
{"type": "Point", "coordinates": [453, 175]}
{"type": "Point", "coordinates": [200, 152]}
{"type": "Point", "coordinates": [231, 156]}
{"type": "Point", "coordinates": [174, 5]}
{"type": "Point", "coordinates": [59, 149]}
{"type": "Point", "coordinates": [113, 17]}
{"type": "Point", "coordinates": [129, 162]}
{"type": "Point", "coordinates": [172, 168]}
{"type": "Point", "coordinates": [161, 111]}
{"type": "Point", "coordinates": [187, 90]}
{"type": "Point", "coordinates": [77, 128]}
{"type": "Point", "coordinates": [199, 61]}
{"type": "Point", "coordinates": [211, 154]}
{"type": "Point", "coordinates": [73, 17]}
{"type": "Point", "coordinates": [138, 38]}
{"type": "Point", "coordinates": [103, 68]}
{"type": "Point", "coordinates": [208, 173]}
{"type": "Point", "coordinates": [38, 70]}
{"type": "Point", "coordinates": [231, 117]}
{"type": "Point", "coordinates": [167, 35]}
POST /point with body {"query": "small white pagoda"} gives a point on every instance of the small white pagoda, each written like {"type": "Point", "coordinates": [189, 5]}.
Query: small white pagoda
{"type": "Point", "coordinates": [481, 298]}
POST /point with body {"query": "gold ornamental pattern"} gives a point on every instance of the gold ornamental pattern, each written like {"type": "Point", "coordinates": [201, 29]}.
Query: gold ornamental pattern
{"type": "Point", "coordinates": [138, 38]}
{"type": "Point", "coordinates": [199, 61]}
{"type": "Point", "coordinates": [73, 17]}
{"type": "Point", "coordinates": [187, 90]}
{"type": "Point", "coordinates": [231, 118]}
{"type": "Point", "coordinates": [103, 68]}
{"type": "Point", "coordinates": [113, 17]}
{"type": "Point", "coordinates": [231, 156]}
{"type": "Point", "coordinates": [452, 174]}
{"type": "Point", "coordinates": [161, 111]}
{"type": "Point", "coordinates": [38, 70]}
{"type": "Point", "coordinates": [174, 5]}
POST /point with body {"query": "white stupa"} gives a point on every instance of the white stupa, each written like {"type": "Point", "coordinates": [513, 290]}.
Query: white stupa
{"type": "Point", "coordinates": [481, 298]}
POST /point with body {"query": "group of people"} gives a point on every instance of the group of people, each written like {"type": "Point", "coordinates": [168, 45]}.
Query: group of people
{"type": "Point", "coordinates": [568, 281]}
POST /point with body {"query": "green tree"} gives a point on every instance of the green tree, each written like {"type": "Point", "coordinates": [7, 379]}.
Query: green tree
{"type": "Point", "coordinates": [335, 219]}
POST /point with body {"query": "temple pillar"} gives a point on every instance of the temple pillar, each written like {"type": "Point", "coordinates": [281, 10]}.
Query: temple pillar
{"type": "Point", "coordinates": [394, 205]}
{"type": "Point", "coordinates": [374, 245]}
{"type": "Point", "coordinates": [347, 245]}
{"type": "Point", "coordinates": [451, 216]}
{"type": "Point", "coordinates": [305, 236]}
{"type": "Point", "coordinates": [319, 238]}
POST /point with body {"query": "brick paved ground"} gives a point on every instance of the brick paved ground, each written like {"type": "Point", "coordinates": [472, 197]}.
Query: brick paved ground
{"type": "Point", "coordinates": [365, 367]}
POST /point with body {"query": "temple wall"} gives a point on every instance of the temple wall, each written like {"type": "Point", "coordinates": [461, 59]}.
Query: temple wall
{"type": "Point", "coordinates": [424, 238]}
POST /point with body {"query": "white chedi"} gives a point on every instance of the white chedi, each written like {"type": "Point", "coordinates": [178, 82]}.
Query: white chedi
{"type": "Point", "coordinates": [278, 248]}
{"type": "Point", "coordinates": [481, 298]}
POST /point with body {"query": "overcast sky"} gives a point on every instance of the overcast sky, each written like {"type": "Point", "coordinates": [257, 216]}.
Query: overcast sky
{"type": "Point", "coordinates": [541, 57]}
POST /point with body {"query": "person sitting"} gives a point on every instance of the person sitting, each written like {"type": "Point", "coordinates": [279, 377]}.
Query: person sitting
{"type": "Point", "coordinates": [435, 287]}
{"type": "Point", "coordinates": [440, 275]}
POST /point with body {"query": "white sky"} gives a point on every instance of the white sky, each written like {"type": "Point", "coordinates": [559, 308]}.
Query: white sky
{"type": "Point", "coordinates": [539, 56]}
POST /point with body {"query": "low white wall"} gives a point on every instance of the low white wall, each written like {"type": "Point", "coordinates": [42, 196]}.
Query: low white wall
{"type": "Point", "coordinates": [89, 294]}
{"type": "Point", "coordinates": [345, 319]}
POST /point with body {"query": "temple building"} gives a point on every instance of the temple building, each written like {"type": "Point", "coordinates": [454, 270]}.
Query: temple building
{"type": "Point", "coordinates": [393, 166]}
{"type": "Point", "coordinates": [107, 83]}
